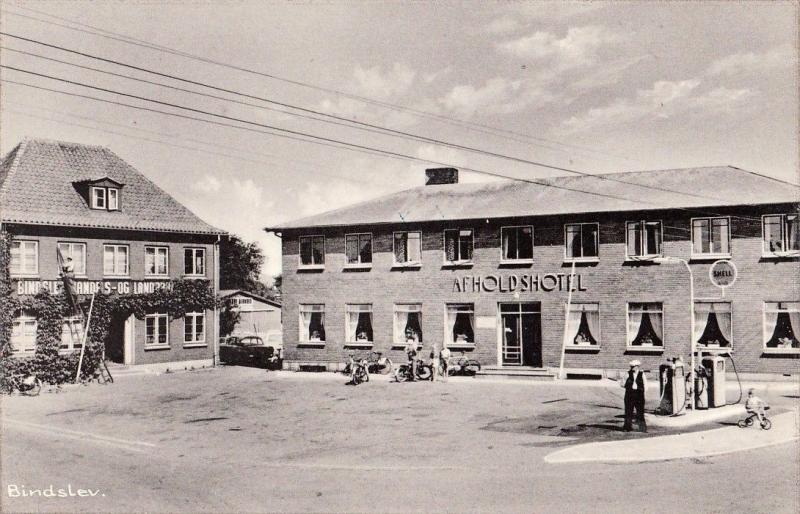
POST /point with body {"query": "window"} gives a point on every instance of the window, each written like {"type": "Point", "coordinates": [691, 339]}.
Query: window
{"type": "Point", "coordinates": [23, 334]}
{"type": "Point", "coordinates": [71, 334]}
{"type": "Point", "coordinates": [312, 250]}
{"type": "Point", "coordinates": [115, 260]}
{"type": "Point", "coordinates": [643, 238]}
{"type": "Point", "coordinates": [194, 262]}
{"type": "Point", "coordinates": [460, 322]}
{"type": "Point", "coordinates": [312, 323]}
{"type": "Point", "coordinates": [407, 323]}
{"type": "Point", "coordinates": [113, 199]}
{"type": "Point", "coordinates": [194, 328]}
{"type": "Point", "coordinates": [646, 325]}
{"type": "Point", "coordinates": [712, 324]}
{"type": "Point", "coordinates": [76, 252]}
{"type": "Point", "coordinates": [517, 243]}
{"type": "Point", "coordinates": [24, 258]}
{"type": "Point", "coordinates": [156, 260]}
{"type": "Point", "coordinates": [358, 323]}
{"type": "Point", "coordinates": [781, 233]}
{"type": "Point", "coordinates": [582, 241]}
{"type": "Point", "coordinates": [242, 303]}
{"type": "Point", "coordinates": [458, 246]}
{"type": "Point", "coordinates": [99, 198]}
{"type": "Point", "coordinates": [710, 236]}
{"type": "Point", "coordinates": [156, 330]}
{"type": "Point", "coordinates": [781, 323]}
{"type": "Point", "coordinates": [358, 248]}
{"type": "Point", "coordinates": [583, 325]}
{"type": "Point", "coordinates": [407, 248]}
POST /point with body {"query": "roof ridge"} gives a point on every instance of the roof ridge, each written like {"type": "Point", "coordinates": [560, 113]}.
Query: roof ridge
{"type": "Point", "coordinates": [765, 176]}
{"type": "Point", "coordinates": [45, 140]}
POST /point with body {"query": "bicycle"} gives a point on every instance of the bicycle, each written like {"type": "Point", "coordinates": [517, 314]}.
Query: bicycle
{"type": "Point", "coordinates": [464, 366]}
{"type": "Point", "coordinates": [360, 375]}
{"type": "Point", "coordinates": [29, 385]}
{"type": "Point", "coordinates": [377, 363]}
{"type": "Point", "coordinates": [766, 424]}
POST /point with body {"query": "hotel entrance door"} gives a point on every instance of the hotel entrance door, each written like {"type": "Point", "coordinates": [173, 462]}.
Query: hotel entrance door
{"type": "Point", "coordinates": [521, 334]}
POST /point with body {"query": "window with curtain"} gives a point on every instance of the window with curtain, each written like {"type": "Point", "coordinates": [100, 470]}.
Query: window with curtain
{"type": "Point", "coordinates": [312, 250]}
{"type": "Point", "coordinates": [23, 334]}
{"type": "Point", "coordinates": [581, 241]}
{"type": "Point", "coordinates": [156, 330]}
{"type": "Point", "coordinates": [312, 323]}
{"type": "Point", "coordinates": [645, 324]}
{"type": "Point", "coordinates": [781, 325]}
{"type": "Point", "coordinates": [194, 261]}
{"type": "Point", "coordinates": [24, 258]}
{"type": "Point", "coordinates": [460, 323]}
{"type": "Point", "coordinates": [407, 322]}
{"type": "Point", "coordinates": [643, 238]}
{"type": "Point", "coordinates": [115, 260]}
{"type": "Point", "coordinates": [358, 248]}
{"type": "Point", "coordinates": [76, 252]}
{"type": "Point", "coordinates": [458, 245]}
{"type": "Point", "coordinates": [358, 323]}
{"type": "Point", "coordinates": [710, 236]}
{"type": "Point", "coordinates": [712, 324]}
{"type": "Point", "coordinates": [781, 233]}
{"type": "Point", "coordinates": [194, 327]}
{"type": "Point", "coordinates": [156, 260]}
{"type": "Point", "coordinates": [583, 324]}
{"type": "Point", "coordinates": [517, 243]}
{"type": "Point", "coordinates": [71, 334]}
{"type": "Point", "coordinates": [407, 247]}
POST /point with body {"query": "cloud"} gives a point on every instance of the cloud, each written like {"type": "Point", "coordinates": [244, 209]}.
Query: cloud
{"type": "Point", "coordinates": [374, 83]}
{"type": "Point", "coordinates": [665, 99]}
{"type": "Point", "coordinates": [503, 25]}
{"type": "Point", "coordinates": [607, 74]}
{"type": "Point", "coordinates": [578, 47]}
{"type": "Point", "coordinates": [497, 96]}
{"type": "Point", "coordinates": [208, 184]}
{"type": "Point", "coordinates": [782, 56]}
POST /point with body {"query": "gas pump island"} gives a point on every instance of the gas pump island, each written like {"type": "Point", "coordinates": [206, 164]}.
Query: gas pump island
{"type": "Point", "coordinates": [705, 388]}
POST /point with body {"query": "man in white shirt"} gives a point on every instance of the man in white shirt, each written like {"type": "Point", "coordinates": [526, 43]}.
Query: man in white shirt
{"type": "Point", "coordinates": [634, 385]}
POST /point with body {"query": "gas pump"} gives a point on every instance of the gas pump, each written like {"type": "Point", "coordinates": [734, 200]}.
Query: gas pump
{"type": "Point", "coordinates": [701, 388]}
{"type": "Point", "coordinates": [672, 387]}
{"type": "Point", "coordinates": [715, 370]}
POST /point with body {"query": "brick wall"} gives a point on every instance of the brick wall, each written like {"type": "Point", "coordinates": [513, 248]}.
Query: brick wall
{"type": "Point", "coordinates": [612, 282]}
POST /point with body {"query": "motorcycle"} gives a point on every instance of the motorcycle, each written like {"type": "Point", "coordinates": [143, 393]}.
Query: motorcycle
{"type": "Point", "coordinates": [403, 372]}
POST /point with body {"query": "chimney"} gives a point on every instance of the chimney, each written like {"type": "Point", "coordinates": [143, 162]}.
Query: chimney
{"type": "Point", "coordinates": [438, 176]}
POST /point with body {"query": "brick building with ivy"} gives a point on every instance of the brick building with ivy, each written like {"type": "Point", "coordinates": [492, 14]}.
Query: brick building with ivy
{"type": "Point", "coordinates": [487, 269]}
{"type": "Point", "coordinates": [124, 237]}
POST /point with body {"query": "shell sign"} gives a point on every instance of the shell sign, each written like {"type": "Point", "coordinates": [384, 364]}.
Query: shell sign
{"type": "Point", "coordinates": [722, 274]}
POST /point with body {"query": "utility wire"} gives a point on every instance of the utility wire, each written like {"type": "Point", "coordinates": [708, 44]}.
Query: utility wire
{"type": "Point", "coordinates": [469, 125]}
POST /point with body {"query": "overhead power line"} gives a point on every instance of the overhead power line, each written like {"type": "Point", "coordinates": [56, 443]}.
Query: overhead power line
{"type": "Point", "coordinates": [486, 129]}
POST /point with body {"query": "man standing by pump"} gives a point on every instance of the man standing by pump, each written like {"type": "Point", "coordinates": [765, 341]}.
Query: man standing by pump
{"type": "Point", "coordinates": [634, 384]}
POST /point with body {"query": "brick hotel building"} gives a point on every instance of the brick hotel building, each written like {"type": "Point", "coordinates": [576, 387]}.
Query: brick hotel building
{"type": "Point", "coordinates": [486, 269]}
{"type": "Point", "coordinates": [124, 234]}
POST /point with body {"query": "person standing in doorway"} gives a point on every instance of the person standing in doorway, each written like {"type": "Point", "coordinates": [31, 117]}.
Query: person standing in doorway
{"type": "Point", "coordinates": [634, 385]}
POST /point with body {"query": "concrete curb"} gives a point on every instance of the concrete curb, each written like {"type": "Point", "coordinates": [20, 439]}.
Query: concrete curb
{"type": "Point", "coordinates": [720, 441]}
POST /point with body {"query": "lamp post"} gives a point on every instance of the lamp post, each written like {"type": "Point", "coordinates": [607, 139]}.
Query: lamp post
{"type": "Point", "coordinates": [691, 317]}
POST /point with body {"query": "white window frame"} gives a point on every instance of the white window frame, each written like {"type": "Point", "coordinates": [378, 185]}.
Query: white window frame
{"type": "Point", "coordinates": [67, 343]}
{"type": "Point", "coordinates": [313, 265]}
{"type": "Point", "coordinates": [503, 258]}
{"type": "Point", "coordinates": [711, 255]}
{"type": "Point", "coordinates": [21, 321]}
{"type": "Point", "coordinates": [457, 262]}
{"type": "Point", "coordinates": [190, 323]}
{"type": "Point", "coordinates": [399, 336]}
{"type": "Point", "coordinates": [571, 345]}
{"type": "Point", "coordinates": [112, 206]}
{"type": "Point", "coordinates": [310, 307]}
{"type": "Point", "coordinates": [629, 337]}
{"type": "Point", "coordinates": [116, 248]}
{"type": "Point", "coordinates": [158, 319]}
{"type": "Point", "coordinates": [194, 251]}
{"type": "Point", "coordinates": [723, 349]}
{"type": "Point", "coordinates": [643, 235]}
{"type": "Point", "coordinates": [784, 239]}
{"type": "Point", "coordinates": [156, 250]}
{"type": "Point", "coordinates": [765, 336]}
{"type": "Point", "coordinates": [594, 258]}
{"type": "Point", "coordinates": [351, 307]}
{"type": "Point", "coordinates": [448, 336]}
{"type": "Point", "coordinates": [69, 253]}
{"type": "Point", "coordinates": [359, 264]}
{"type": "Point", "coordinates": [99, 202]}
{"type": "Point", "coordinates": [20, 272]}
{"type": "Point", "coordinates": [408, 263]}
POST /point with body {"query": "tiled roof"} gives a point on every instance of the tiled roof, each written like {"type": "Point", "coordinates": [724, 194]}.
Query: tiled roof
{"type": "Point", "coordinates": [635, 191]}
{"type": "Point", "coordinates": [37, 186]}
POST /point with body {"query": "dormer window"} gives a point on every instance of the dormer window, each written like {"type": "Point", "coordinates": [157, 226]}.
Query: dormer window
{"type": "Point", "coordinates": [99, 198]}
{"type": "Point", "coordinates": [101, 194]}
{"type": "Point", "coordinates": [113, 199]}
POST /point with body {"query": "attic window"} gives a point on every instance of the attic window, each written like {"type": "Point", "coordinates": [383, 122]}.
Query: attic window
{"type": "Point", "coordinates": [105, 198]}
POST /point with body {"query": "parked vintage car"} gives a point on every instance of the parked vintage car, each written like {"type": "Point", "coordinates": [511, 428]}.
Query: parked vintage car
{"type": "Point", "coordinates": [248, 351]}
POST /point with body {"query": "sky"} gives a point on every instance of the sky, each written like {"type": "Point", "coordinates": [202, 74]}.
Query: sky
{"type": "Point", "coordinates": [595, 87]}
